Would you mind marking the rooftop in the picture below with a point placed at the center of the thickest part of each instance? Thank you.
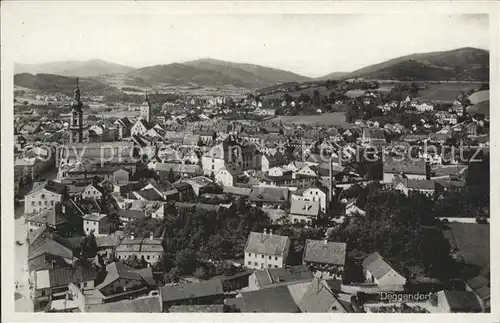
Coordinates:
(322, 251)
(267, 244)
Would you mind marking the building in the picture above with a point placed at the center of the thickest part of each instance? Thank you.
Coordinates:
(246, 156)
(324, 296)
(314, 194)
(124, 126)
(269, 197)
(77, 129)
(326, 259)
(278, 299)
(145, 249)
(97, 224)
(405, 168)
(406, 186)
(93, 190)
(202, 293)
(141, 127)
(145, 110)
(304, 211)
(271, 277)
(265, 250)
(458, 302)
(379, 272)
(43, 196)
(52, 218)
(52, 284)
(229, 175)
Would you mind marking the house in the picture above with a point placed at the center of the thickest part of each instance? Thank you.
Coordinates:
(314, 193)
(124, 126)
(322, 296)
(43, 196)
(481, 286)
(304, 211)
(265, 250)
(47, 250)
(449, 186)
(181, 169)
(351, 208)
(120, 282)
(379, 272)
(141, 127)
(148, 249)
(52, 218)
(246, 156)
(424, 107)
(268, 162)
(202, 185)
(406, 186)
(158, 190)
(270, 277)
(457, 301)
(229, 175)
(237, 191)
(373, 136)
(52, 284)
(277, 299)
(326, 259)
(202, 293)
(471, 129)
(92, 190)
(97, 224)
(130, 215)
(146, 304)
(263, 196)
(405, 167)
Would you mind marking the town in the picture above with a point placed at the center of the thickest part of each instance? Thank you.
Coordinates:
(219, 203)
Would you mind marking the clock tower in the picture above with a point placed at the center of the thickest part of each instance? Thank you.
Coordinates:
(76, 122)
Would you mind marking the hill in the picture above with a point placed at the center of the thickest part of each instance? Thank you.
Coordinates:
(62, 84)
(472, 63)
(90, 68)
(332, 76)
(211, 72)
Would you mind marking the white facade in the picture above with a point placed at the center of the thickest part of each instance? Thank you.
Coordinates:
(224, 178)
(91, 191)
(95, 223)
(40, 200)
(260, 261)
(138, 128)
(212, 165)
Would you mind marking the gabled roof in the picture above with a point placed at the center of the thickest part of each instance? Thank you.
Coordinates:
(272, 276)
(462, 301)
(422, 184)
(269, 194)
(269, 300)
(50, 216)
(376, 265)
(116, 270)
(405, 166)
(135, 214)
(325, 252)
(191, 291)
(267, 244)
(305, 208)
(151, 304)
(320, 299)
(64, 276)
(150, 194)
(50, 186)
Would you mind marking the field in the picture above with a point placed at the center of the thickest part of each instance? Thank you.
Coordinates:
(445, 91)
(473, 242)
(327, 119)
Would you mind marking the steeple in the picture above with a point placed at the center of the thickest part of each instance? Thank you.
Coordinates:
(77, 103)
(76, 123)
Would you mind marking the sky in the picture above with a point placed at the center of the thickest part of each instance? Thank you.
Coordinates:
(308, 44)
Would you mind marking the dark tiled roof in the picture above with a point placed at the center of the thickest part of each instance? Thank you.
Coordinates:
(405, 166)
(134, 214)
(283, 275)
(196, 309)
(193, 290)
(150, 304)
(269, 194)
(319, 299)
(329, 253)
(269, 300)
(150, 195)
(64, 276)
(462, 301)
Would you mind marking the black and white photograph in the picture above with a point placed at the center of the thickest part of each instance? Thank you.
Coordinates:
(192, 161)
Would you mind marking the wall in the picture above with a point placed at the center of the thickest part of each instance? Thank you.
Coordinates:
(34, 203)
(263, 261)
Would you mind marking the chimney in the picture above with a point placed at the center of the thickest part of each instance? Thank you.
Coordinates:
(270, 232)
(151, 237)
(131, 236)
(330, 182)
(325, 241)
(265, 231)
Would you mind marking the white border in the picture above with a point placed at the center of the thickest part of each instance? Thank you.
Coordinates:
(11, 11)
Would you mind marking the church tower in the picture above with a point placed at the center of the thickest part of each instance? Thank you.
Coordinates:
(145, 109)
(76, 123)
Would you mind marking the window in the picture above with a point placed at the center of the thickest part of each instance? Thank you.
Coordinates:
(269, 266)
(249, 263)
(46, 203)
(275, 258)
(51, 202)
(275, 266)
(148, 257)
(84, 284)
(256, 263)
(39, 202)
(262, 266)
(249, 254)
(270, 257)
(262, 256)
(32, 202)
